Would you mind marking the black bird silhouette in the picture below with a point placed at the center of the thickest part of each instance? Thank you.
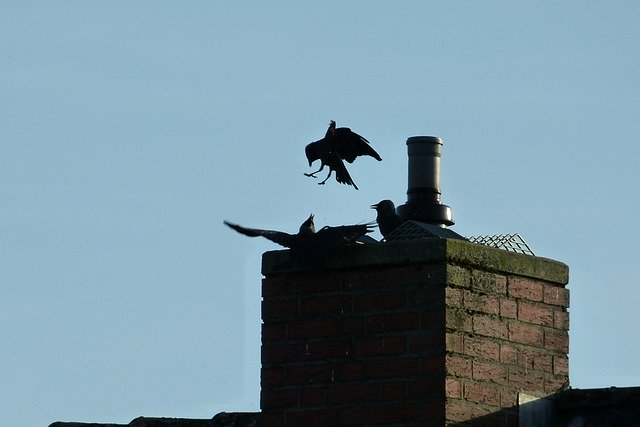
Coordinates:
(387, 218)
(307, 246)
(337, 145)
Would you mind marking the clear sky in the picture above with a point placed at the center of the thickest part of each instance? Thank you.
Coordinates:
(130, 130)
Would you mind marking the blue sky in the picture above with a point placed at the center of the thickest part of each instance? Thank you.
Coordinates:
(130, 130)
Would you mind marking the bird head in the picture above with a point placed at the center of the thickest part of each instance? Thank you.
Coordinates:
(385, 206)
(311, 153)
(308, 226)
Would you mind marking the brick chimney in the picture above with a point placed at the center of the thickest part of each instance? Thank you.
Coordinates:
(418, 332)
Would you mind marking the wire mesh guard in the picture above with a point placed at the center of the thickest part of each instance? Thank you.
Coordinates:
(416, 230)
(509, 242)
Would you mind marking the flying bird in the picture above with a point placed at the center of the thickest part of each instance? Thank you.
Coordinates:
(387, 218)
(308, 246)
(337, 145)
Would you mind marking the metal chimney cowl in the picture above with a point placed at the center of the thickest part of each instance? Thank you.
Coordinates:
(423, 192)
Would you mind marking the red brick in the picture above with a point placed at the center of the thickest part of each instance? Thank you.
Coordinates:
(508, 308)
(453, 388)
(454, 342)
(526, 379)
(460, 410)
(526, 289)
(380, 323)
(312, 396)
(310, 374)
(271, 377)
(434, 365)
(555, 383)
(489, 372)
(272, 419)
(380, 301)
(425, 298)
(561, 320)
(490, 327)
(272, 331)
(278, 398)
(393, 368)
(489, 283)
(433, 319)
(325, 305)
(526, 334)
(560, 365)
(272, 353)
(481, 348)
(433, 274)
(399, 412)
(353, 393)
(381, 346)
(508, 397)
(458, 366)
(508, 354)
(305, 284)
(279, 308)
(453, 296)
(534, 360)
(389, 277)
(313, 417)
(556, 340)
(274, 286)
(312, 328)
(482, 393)
(326, 350)
(535, 314)
(425, 387)
(556, 296)
(459, 320)
(393, 391)
(429, 341)
(351, 371)
(352, 326)
(482, 303)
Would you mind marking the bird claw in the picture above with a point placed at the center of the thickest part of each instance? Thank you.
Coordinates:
(310, 175)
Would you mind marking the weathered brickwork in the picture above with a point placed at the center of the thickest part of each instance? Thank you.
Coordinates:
(411, 333)
(518, 341)
(351, 349)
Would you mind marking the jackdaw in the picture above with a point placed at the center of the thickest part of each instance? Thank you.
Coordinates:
(337, 145)
(387, 218)
(307, 246)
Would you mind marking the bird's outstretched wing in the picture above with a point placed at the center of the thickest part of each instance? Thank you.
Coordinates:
(279, 237)
(329, 237)
(352, 145)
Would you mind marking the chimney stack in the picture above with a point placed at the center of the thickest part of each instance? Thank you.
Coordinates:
(422, 332)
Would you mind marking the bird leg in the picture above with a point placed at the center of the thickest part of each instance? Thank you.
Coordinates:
(313, 174)
(325, 180)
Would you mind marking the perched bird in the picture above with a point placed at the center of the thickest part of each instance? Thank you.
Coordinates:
(337, 145)
(307, 246)
(387, 218)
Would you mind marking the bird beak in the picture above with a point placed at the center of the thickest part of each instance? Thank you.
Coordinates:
(374, 206)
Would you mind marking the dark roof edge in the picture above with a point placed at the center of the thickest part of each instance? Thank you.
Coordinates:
(223, 419)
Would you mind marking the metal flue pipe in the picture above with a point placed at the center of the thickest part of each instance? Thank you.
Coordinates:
(423, 192)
